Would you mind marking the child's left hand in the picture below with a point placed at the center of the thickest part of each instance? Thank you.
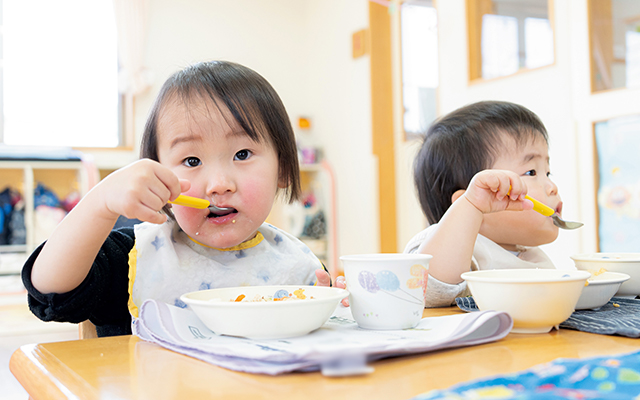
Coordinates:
(324, 279)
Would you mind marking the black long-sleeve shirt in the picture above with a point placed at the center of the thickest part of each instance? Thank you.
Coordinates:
(101, 298)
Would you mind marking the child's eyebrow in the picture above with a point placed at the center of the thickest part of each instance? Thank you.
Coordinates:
(533, 156)
(197, 138)
(184, 138)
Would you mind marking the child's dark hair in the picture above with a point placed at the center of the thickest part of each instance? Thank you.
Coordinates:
(252, 102)
(465, 142)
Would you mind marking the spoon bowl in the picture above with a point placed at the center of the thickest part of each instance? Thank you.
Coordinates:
(194, 202)
(550, 212)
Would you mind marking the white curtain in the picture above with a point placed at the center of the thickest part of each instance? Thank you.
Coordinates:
(131, 22)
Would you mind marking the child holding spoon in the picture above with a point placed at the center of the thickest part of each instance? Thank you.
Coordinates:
(472, 173)
(217, 131)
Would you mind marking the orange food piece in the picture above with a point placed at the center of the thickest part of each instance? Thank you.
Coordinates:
(239, 298)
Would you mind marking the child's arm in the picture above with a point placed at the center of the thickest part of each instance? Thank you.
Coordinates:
(138, 191)
(452, 243)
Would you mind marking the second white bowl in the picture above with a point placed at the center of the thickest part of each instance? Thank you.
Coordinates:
(536, 299)
(600, 290)
(626, 263)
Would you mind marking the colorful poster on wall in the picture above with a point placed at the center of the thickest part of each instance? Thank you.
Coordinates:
(618, 156)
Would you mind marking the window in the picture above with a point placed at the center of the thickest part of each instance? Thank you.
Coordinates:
(60, 73)
(419, 44)
(506, 36)
(615, 44)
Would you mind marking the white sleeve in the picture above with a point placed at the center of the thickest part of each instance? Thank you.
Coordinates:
(441, 294)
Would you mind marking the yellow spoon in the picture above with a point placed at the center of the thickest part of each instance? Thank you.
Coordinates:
(550, 212)
(194, 202)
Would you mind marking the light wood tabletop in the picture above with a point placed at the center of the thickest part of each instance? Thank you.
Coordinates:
(126, 367)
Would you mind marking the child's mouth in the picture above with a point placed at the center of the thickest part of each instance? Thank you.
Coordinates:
(222, 213)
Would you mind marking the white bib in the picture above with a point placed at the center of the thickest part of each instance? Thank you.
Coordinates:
(165, 263)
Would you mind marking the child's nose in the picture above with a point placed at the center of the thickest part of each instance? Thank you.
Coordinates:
(221, 183)
(552, 188)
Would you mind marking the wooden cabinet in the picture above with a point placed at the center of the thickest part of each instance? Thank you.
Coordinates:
(62, 175)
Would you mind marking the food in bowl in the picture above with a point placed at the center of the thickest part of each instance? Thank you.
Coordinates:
(626, 263)
(601, 287)
(536, 299)
(279, 295)
(261, 316)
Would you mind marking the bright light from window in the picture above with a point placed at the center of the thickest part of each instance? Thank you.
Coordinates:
(499, 46)
(419, 29)
(538, 38)
(60, 73)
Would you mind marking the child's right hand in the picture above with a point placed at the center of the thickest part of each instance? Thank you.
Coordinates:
(497, 190)
(139, 191)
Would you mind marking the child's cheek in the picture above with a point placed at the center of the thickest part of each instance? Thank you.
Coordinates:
(187, 216)
(257, 192)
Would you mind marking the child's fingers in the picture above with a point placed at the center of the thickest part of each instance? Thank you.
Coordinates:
(323, 278)
(170, 181)
(184, 186)
(341, 283)
(148, 215)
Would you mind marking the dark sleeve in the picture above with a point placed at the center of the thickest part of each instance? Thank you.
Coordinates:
(101, 298)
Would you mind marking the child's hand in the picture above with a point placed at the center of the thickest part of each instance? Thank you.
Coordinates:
(325, 280)
(139, 191)
(497, 190)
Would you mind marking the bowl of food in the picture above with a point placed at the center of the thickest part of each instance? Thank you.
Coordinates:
(265, 312)
(626, 263)
(536, 299)
(601, 287)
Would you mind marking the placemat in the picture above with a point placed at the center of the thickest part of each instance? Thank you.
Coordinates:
(339, 347)
(620, 316)
(606, 377)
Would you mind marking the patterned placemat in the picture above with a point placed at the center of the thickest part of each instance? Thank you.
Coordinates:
(607, 377)
(620, 316)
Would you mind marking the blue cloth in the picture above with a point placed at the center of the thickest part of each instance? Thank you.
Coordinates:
(609, 377)
(620, 316)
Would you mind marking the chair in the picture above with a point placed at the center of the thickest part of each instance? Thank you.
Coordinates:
(87, 330)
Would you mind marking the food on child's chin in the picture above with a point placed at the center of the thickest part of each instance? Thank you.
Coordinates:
(280, 295)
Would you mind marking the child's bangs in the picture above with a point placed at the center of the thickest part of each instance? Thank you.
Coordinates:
(236, 111)
(517, 139)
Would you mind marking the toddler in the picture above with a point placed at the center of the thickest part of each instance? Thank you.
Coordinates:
(217, 131)
(472, 172)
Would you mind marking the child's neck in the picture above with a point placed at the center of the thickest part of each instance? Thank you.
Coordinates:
(510, 247)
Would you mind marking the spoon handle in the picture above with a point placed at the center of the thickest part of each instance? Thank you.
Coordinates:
(189, 201)
(540, 207)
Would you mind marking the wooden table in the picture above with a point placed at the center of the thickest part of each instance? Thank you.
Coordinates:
(125, 367)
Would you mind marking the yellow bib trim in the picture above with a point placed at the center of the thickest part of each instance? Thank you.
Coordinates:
(133, 256)
(242, 246)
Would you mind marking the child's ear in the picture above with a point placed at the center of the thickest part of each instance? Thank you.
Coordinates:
(456, 195)
(282, 183)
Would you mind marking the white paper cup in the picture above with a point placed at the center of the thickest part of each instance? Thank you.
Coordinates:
(386, 290)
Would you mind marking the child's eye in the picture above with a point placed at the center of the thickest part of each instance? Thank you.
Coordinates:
(548, 174)
(531, 172)
(192, 162)
(242, 155)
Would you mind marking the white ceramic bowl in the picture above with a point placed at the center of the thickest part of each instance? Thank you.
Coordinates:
(536, 299)
(600, 290)
(268, 319)
(626, 263)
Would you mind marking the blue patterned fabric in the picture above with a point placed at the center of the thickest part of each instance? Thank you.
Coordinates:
(609, 377)
(620, 316)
